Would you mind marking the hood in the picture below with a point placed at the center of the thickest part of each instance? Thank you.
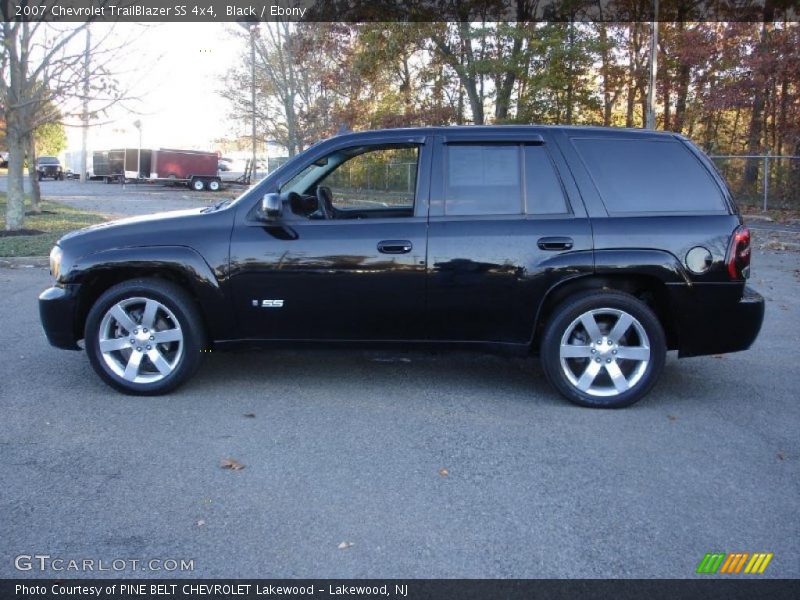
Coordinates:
(180, 227)
(139, 223)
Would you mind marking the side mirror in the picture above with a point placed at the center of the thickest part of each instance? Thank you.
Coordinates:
(272, 206)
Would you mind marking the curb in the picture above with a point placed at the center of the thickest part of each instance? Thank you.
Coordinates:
(23, 262)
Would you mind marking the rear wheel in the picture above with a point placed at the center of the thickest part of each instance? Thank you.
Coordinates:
(214, 185)
(603, 349)
(144, 336)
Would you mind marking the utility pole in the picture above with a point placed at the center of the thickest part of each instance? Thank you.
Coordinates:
(253, 32)
(650, 119)
(138, 124)
(252, 27)
(85, 115)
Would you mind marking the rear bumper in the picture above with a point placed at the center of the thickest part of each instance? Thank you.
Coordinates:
(716, 318)
(57, 311)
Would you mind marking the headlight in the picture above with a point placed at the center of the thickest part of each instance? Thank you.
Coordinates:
(55, 261)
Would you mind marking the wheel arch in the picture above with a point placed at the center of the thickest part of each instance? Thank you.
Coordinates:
(646, 277)
(180, 265)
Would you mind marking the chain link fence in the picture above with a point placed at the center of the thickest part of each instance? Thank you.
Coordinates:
(762, 181)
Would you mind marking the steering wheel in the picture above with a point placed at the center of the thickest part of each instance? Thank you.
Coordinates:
(325, 202)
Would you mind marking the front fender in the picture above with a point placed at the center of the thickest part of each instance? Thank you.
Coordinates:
(183, 261)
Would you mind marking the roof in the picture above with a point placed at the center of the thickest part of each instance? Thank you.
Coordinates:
(479, 130)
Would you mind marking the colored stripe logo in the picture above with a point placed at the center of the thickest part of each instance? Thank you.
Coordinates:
(734, 563)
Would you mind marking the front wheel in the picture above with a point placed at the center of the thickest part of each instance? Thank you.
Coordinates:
(603, 349)
(198, 185)
(144, 336)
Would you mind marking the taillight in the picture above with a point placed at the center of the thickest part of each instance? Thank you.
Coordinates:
(739, 254)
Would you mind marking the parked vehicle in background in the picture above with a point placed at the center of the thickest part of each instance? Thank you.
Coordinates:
(49, 167)
(199, 170)
(108, 165)
(72, 164)
(596, 249)
(196, 169)
(4, 159)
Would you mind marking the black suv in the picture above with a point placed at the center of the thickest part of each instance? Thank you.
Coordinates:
(597, 249)
(49, 166)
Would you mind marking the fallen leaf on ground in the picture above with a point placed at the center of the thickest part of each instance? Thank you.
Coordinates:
(229, 463)
(201, 522)
(444, 472)
(344, 545)
(781, 456)
(250, 415)
(672, 417)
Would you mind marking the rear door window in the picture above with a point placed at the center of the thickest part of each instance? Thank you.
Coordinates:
(649, 176)
(483, 180)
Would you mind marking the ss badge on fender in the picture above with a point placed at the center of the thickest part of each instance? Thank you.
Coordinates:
(268, 303)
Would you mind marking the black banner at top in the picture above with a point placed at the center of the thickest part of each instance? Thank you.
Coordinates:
(399, 10)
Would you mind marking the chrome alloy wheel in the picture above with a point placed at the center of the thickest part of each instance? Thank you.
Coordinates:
(604, 352)
(141, 340)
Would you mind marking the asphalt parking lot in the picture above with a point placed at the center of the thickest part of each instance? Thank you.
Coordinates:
(379, 464)
(130, 199)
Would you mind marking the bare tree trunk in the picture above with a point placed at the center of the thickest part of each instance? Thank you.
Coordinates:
(756, 118)
(604, 72)
(33, 176)
(667, 83)
(631, 103)
(15, 206)
(506, 81)
(570, 80)
(782, 114)
(684, 74)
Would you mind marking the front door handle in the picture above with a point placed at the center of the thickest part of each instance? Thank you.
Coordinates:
(395, 246)
(555, 243)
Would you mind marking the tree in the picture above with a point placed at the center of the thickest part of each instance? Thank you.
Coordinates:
(50, 139)
(43, 82)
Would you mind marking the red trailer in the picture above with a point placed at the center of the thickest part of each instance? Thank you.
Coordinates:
(197, 169)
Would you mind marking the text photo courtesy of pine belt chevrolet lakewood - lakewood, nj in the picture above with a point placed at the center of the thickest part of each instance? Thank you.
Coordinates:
(413, 299)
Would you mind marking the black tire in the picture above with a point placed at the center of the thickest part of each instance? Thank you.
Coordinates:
(198, 184)
(562, 321)
(185, 311)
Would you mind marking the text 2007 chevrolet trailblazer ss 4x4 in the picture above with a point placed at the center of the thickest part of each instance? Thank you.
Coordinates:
(597, 249)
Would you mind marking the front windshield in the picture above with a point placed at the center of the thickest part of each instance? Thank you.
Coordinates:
(48, 160)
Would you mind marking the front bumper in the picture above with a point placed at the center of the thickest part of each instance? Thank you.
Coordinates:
(716, 318)
(57, 311)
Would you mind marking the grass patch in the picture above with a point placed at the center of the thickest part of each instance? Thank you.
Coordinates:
(56, 220)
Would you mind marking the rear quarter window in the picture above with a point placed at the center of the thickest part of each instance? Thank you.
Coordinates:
(649, 176)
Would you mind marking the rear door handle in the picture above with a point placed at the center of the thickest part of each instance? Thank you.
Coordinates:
(395, 246)
(555, 243)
